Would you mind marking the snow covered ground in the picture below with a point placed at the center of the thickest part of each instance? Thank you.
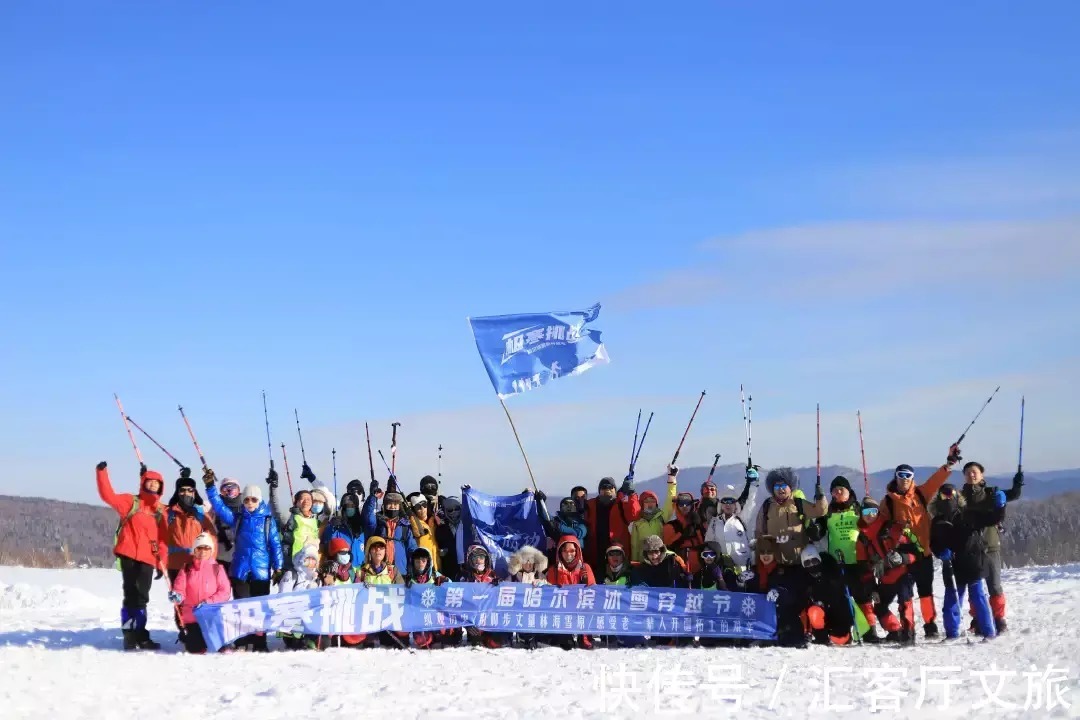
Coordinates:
(60, 657)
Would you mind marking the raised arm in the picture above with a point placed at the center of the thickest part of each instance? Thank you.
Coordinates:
(122, 502)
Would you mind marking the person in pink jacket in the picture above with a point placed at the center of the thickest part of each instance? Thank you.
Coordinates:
(202, 580)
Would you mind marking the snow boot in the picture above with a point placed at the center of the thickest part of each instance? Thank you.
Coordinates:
(1001, 625)
(907, 637)
(893, 636)
(145, 642)
(930, 630)
(870, 637)
(131, 641)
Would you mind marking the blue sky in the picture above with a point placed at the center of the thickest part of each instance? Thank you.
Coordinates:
(866, 207)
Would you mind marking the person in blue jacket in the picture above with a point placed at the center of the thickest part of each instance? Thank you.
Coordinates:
(346, 524)
(257, 559)
(392, 525)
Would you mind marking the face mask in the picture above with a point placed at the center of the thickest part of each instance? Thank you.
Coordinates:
(317, 508)
(187, 501)
(350, 512)
(453, 516)
(342, 558)
(651, 512)
(390, 512)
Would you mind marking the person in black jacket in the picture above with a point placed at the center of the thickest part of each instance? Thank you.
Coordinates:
(446, 530)
(977, 492)
(956, 536)
(660, 568)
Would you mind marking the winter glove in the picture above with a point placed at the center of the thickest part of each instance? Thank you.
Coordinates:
(208, 477)
(893, 560)
(142, 470)
(272, 479)
(356, 488)
(275, 578)
(466, 487)
(373, 488)
(745, 577)
(1018, 479)
(185, 473)
(306, 474)
(540, 497)
(752, 474)
(878, 568)
(999, 499)
(175, 597)
(391, 484)
(672, 472)
(102, 465)
(772, 596)
(159, 574)
(946, 555)
(627, 487)
(819, 494)
(954, 455)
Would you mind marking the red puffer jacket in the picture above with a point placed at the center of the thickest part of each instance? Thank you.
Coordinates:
(877, 539)
(578, 573)
(143, 535)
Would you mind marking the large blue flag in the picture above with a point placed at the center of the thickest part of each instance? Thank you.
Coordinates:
(503, 524)
(508, 607)
(522, 352)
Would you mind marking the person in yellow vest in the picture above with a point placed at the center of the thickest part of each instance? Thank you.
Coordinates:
(376, 570)
(423, 526)
(652, 518)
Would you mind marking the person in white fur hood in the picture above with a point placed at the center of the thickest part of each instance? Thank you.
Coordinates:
(528, 565)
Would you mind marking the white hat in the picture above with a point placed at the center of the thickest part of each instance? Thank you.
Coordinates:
(203, 540)
(252, 491)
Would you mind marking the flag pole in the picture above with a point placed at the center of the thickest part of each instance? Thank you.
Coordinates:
(520, 446)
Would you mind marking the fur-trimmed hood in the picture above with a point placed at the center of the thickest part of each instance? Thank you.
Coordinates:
(527, 554)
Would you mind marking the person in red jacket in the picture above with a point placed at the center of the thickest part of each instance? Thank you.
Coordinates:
(608, 517)
(684, 534)
(570, 568)
(141, 546)
(885, 552)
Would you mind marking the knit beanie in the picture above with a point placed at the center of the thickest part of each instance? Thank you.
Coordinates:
(252, 491)
(840, 481)
(203, 540)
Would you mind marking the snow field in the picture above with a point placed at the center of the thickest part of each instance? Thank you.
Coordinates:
(60, 640)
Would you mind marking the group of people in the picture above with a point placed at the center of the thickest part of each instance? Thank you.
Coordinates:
(834, 568)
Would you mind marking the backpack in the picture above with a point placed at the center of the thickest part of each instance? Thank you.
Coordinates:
(131, 513)
(813, 528)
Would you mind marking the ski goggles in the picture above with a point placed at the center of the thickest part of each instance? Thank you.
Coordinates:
(727, 501)
(230, 491)
(685, 503)
(869, 511)
(616, 552)
(905, 475)
(781, 486)
(708, 554)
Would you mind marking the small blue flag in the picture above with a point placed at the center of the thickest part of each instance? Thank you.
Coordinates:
(522, 352)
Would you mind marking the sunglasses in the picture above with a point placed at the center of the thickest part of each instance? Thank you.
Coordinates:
(251, 501)
(905, 475)
(230, 491)
(781, 486)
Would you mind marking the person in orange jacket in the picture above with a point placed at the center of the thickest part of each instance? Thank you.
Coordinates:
(684, 534)
(608, 517)
(185, 519)
(906, 503)
(140, 546)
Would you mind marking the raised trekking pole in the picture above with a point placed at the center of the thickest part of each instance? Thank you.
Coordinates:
(393, 447)
(817, 487)
(1020, 460)
(159, 445)
(440, 463)
(138, 455)
(371, 460)
(748, 425)
(303, 455)
(288, 476)
(633, 448)
(964, 434)
(713, 468)
(333, 459)
(862, 451)
(192, 434)
(266, 419)
(687, 431)
(643, 436)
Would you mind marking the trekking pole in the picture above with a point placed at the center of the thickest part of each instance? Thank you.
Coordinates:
(633, 448)
(192, 434)
(371, 461)
(713, 468)
(168, 584)
(748, 425)
(333, 458)
(138, 455)
(393, 447)
(687, 431)
(440, 463)
(817, 487)
(964, 434)
(288, 476)
(643, 436)
(266, 419)
(303, 455)
(1020, 460)
(151, 439)
(862, 451)
(851, 600)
